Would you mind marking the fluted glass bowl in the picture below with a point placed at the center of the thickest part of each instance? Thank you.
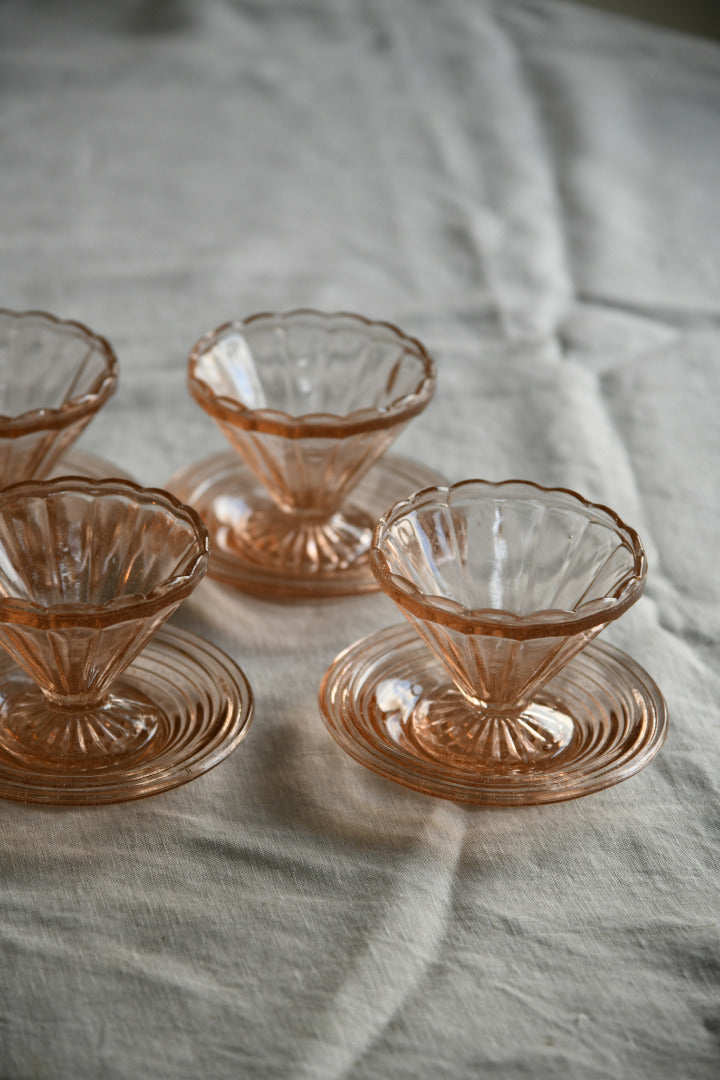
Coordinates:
(310, 402)
(506, 584)
(54, 377)
(89, 571)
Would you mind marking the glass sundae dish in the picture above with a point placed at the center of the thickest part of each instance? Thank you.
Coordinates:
(95, 704)
(310, 402)
(495, 695)
(55, 375)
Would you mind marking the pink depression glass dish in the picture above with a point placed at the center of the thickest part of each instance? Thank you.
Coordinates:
(54, 377)
(506, 584)
(90, 709)
(310, 402)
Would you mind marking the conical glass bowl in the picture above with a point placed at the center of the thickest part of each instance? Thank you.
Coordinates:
(89, 571)
(54, 377)
(310, 402)
(506, 584)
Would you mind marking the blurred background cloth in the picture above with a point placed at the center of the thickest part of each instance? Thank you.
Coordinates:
(532, 189)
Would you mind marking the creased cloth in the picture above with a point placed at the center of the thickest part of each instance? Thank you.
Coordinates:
(531, 188)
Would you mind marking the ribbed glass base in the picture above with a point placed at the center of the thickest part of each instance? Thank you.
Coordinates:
(391, 705)
(180, 708)
(258, 548)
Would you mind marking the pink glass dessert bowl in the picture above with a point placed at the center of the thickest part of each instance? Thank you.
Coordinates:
(89, 571)
(310, 402)
(506, 584)
(54, 377)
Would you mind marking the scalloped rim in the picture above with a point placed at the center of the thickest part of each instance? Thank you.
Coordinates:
(495, 622)
(123, 608)
(76, 408)
(311, 425)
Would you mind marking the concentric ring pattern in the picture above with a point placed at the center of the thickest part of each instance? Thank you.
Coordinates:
(618, 717)
(203, 706)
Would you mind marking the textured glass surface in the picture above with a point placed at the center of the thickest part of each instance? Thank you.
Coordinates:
(505, 583)
(176, 711)
(388, 702)
(304, 372)
(89, 570)
(510, 552)
(252, 541)
(310, 402)
(54, 377)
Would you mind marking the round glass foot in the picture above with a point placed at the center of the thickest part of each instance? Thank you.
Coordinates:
(391, 705)
(34, 731)
(179, 709)
(259, 556)
(447, 729)
(279, 543)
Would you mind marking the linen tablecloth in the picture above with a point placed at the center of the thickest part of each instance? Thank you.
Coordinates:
(531, 188)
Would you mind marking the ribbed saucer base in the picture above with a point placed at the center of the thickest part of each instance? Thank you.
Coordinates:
(390, 705)
(178, 710)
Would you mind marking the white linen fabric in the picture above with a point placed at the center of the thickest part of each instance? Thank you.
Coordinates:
(530, 188)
